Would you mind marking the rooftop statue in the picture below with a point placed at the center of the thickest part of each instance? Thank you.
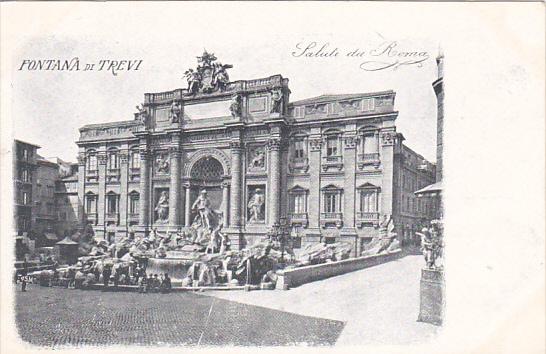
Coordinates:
(209, 76)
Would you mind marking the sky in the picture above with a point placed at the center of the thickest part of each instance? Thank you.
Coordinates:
(48, 107)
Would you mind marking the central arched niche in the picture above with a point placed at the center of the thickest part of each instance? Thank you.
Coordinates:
(207, 173)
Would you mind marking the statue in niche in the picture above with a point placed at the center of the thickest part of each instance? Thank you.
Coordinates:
(202, 206)
(276, 101)
(162, 163)
(256, 206)
(235, 106)
(258, 161)
(162, 207)
(176, 110)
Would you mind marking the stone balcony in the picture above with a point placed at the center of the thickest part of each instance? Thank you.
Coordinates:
(367, 159)
(299, 165)
(112, 218)
(327, 219)
(363, 218)
(299, 219)
(92, 218)
(332, 162)
(133, 217)
(112, 175)
(134, 174)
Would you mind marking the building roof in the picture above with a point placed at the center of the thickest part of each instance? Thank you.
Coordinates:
(430, 190)
(24, 142)
(339, 97)
(110, 124)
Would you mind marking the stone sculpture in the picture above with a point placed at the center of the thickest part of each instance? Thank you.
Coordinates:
(258, 161)
(202, 206)
(162, 163)
(235, 106)
(176, 110)
(276, 101)
(162, 207)
(255, 206)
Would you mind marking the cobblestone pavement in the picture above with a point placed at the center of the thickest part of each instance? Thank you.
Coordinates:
(379, 305)
(56, 317)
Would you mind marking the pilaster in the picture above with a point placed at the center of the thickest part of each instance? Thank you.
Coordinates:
(145, 165)
(315, 147)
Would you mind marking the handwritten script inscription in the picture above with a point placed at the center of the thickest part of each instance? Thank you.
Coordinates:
(385, 55)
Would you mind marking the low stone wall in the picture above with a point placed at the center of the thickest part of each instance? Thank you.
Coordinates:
(302, 275)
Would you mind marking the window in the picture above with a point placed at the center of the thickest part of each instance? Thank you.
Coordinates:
(25, 154)
(113, 160)
(331, 202)
(134, 200)
(90, 204)
(332, 146)
(111, 203)
(92, 162)
(368, 104)
(370, 144)
(135, 159)
(26, 198)
(299, 149)
(369, 200)
(298, 201)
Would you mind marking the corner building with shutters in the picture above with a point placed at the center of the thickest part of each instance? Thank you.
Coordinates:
(330, 166)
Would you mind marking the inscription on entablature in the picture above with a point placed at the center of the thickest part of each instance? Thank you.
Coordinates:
(256, 132)
(160, 140)
(112, 131)
(209, 136)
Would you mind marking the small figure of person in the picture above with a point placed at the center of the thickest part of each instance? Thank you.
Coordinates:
(143, 285)
(166, 284)
(106, 273)
(156, 283)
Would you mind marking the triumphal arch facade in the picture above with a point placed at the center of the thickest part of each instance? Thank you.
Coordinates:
(324, 165)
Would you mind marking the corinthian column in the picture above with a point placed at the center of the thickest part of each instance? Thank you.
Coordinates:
(174, 190)
(235, 207)
(274, 146)
(144, 215)
(225, 203)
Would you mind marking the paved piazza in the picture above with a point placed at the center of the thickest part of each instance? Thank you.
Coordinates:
(56, 317)
(371, 306)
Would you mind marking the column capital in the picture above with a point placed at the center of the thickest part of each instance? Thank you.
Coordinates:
(102, 158)
(145, 154)
(226, 184)
(235, 145)
(187, 185)
(387, 138)
(81, 159)
(350, 142)
(274, 144)
(123, 157)
(315, 144)
(175, 151)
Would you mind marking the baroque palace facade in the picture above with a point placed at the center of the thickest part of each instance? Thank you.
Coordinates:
(331, 167)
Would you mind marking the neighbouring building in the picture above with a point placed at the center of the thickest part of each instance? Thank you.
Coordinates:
(332, 166)
(44, 216)
(24, 183)
(67, 202)
(433, 192)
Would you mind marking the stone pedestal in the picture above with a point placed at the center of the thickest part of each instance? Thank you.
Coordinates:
(432, 296)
